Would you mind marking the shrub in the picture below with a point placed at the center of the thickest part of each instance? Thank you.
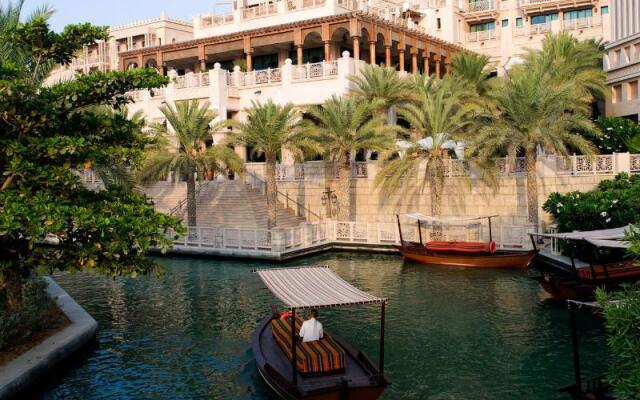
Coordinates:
(619, 135)
(33, 314)
(613, 204)
(622, 318)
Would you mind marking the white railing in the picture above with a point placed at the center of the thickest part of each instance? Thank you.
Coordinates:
(540, 28)
(261, 77)
(322, 69)
(295, 5)
(456, 167)
(160, 92)
(208, 21)
(136, 95)
(481, 5)
(581, 23)
(634, 163)
(482, 35)
(290, 172)
(280, 241)
(192, 80)
(261, 10)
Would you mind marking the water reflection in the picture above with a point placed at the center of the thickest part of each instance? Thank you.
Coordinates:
(451, 334)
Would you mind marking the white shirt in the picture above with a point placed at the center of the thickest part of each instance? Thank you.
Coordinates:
(311, 330)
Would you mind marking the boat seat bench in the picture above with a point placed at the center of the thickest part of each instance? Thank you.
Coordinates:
(318, 357)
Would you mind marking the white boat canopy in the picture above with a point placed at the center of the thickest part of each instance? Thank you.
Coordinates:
(313, 287)
(601, 238)
(430, 219)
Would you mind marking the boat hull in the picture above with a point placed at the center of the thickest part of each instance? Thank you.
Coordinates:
(500, 259)
(347, 386)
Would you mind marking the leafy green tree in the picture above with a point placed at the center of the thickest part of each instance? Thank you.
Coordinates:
(536, 109)
(441, 113)
(343, 127)
(621, 312)
(48, 219)
(381, 86)
(191, 123)
(619, 135)
(270, 128)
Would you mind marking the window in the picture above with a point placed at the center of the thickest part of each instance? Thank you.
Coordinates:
(604, 10)
(519, 22)
(438, 23)
(616, 94)
(486, 26)
(545, 18)
(578, 14)
(632, 90)
(505, 23)
(266, 61)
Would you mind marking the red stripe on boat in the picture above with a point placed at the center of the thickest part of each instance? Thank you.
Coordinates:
(462, 247)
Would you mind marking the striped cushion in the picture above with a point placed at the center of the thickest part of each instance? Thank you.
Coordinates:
(322, 356)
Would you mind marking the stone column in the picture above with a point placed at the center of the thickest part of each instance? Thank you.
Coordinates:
(346, 68)
(425, 60)
(327, 50)
(356, 47)
(372, 52)
(436, 58)
(203, 65)
(401, 56)
(387, 55)
(414, 61)
(249, 61)
(299, 53)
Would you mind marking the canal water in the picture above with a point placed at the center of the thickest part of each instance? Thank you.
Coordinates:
(451, 333)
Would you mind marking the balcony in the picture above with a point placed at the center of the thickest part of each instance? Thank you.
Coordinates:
(481, 36)
(540, 29)
(478, 10)
(295, 5)
(539, 6)
(209, 21)
(259, 11)
(582, 23)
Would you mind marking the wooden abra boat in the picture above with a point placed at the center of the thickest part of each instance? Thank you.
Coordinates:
(570, 277)
(460, 254)
(326, 369)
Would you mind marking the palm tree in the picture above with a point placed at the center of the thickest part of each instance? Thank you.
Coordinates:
(268, 129)
(443, 110)
(343, 126)
(564, 57)
(191, 124)
(474, 68)
(382, 86)
(10, 16)
(535, 109)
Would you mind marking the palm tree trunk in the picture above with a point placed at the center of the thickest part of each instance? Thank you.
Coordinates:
(532, 187)
(272, 191)
(191, 199)
(436, 182)
(343, 192)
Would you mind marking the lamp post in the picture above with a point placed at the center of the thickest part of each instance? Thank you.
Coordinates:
(328, 198)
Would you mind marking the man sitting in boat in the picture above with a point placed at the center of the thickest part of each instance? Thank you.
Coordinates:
(311, 328)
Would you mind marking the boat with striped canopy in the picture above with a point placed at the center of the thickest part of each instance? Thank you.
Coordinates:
(325, 369)
(467, 254)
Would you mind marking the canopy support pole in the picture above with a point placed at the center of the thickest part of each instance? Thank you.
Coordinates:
(400, 230)
(294, 376)
(574, 341)
(490, 230)
(420, 232)
(381, 366)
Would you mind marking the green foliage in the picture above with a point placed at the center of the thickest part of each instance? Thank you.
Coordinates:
(619, 135)
(622, 317)
(380, 86)
(613, 204)
(34, 314)
(47, 134)
(474, 68)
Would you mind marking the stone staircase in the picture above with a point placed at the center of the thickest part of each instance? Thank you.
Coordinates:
(235, 204)
(166, 194)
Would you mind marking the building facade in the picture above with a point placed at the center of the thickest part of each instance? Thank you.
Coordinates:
(622, 61)
(104, 55)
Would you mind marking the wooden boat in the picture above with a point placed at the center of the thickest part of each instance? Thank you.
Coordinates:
(461, 254)
(568, 277)
(356, 377)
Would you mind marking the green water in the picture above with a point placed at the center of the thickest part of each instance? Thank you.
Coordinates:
(451, 333)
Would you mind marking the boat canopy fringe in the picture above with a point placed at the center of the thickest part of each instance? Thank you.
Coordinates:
(601, 238)
(313, 287)
(444, 220)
